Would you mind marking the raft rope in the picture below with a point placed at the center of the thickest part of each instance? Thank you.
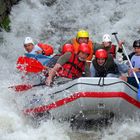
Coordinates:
(99, 82)
(103, 84)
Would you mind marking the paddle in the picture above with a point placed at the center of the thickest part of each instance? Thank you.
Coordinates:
(29, 65)
(24, 87)
(138, 95)
(19, 88)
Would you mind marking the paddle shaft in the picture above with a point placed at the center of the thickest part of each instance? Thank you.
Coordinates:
(115, 35)
(41, 84)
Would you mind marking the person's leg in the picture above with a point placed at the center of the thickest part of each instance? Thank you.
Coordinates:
(132, 81)
(52, 61)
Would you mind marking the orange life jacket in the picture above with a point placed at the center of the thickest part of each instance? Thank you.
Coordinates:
(76, 47)
(47, 49)
(73, 68)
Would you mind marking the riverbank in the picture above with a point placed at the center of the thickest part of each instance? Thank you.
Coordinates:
(5, 8)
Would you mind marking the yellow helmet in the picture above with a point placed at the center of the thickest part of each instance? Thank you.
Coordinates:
(82, 33)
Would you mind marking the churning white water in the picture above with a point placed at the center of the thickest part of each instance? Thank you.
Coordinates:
(55, 24)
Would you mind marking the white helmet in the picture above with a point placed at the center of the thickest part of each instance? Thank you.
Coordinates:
(106, 38)
(28, 40)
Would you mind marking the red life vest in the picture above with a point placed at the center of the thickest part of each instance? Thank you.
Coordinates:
(73, 68)
(47, 49)
(113, 51)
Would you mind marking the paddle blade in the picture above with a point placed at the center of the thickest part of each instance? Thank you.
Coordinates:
(19, 88)
(29, 65)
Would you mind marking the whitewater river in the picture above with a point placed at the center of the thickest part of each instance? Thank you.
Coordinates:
(54, 25)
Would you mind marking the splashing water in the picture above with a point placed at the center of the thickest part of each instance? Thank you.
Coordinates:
(55, 23)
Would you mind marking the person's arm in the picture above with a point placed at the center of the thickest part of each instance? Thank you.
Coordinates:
(136, 69)
(37, 49)
(61, 61)
(64, 58)
(52, 74)
(120, 49)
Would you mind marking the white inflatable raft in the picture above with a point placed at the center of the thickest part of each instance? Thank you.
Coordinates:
(90, 97)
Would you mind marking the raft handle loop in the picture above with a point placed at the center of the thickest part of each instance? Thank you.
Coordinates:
(101, 81)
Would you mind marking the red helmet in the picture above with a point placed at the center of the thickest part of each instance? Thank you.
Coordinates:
(101, 53)
(83, 47)
(67, 48)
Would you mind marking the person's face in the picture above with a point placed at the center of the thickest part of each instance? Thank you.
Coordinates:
(83, 40)
(137, 50)
(82, 56)
(100, 61)
(107, 44)
(29, 47)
